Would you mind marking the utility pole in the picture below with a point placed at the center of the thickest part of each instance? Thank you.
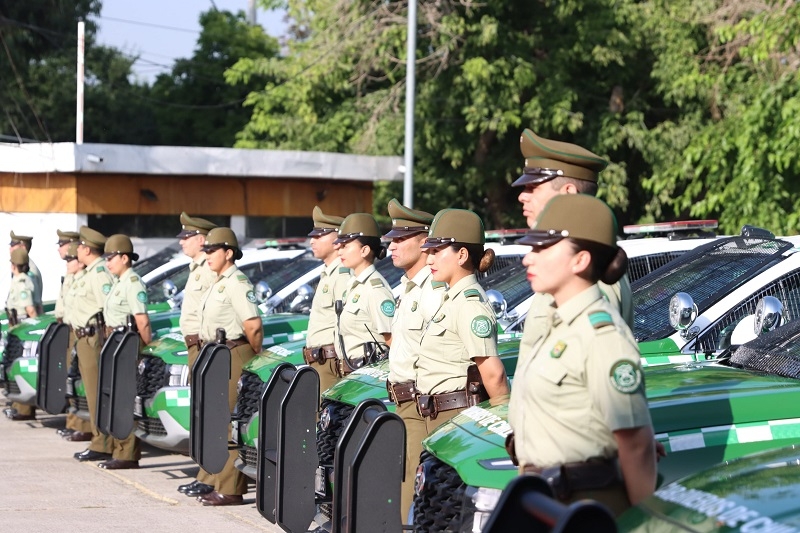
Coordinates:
(411, 53)
(251, 12)
(79, 98)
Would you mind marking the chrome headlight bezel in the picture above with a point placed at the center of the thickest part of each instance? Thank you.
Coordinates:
(178, 375)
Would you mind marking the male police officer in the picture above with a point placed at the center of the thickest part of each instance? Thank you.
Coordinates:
(320, 346)
(22, 241)
(192, 238)
(88, 292)
(419, 300)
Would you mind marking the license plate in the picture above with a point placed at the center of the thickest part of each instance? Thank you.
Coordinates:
(320, 484)
(138, 408)
(235, 432)
(70, 387)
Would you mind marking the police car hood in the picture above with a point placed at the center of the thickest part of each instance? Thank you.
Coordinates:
(170, 347)
(759, 492)
(32, 329)
(264, 364)
(284, 327)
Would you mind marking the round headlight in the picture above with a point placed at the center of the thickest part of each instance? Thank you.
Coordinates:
(239, 385)
(325, 418)
(419, 480)
(142, 367)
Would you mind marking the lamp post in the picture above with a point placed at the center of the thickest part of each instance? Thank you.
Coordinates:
(411, 56)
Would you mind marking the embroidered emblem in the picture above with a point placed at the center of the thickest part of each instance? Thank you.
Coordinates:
(355, 298)
(481, 326)
(438, 318)
(221, 288)
(251, 297)
(23, 294)
(106, 288)
(558, 349)
(325, 289)
(196, 277)
(625, 376)
(141, 296)
(387, 307)
(413, 307)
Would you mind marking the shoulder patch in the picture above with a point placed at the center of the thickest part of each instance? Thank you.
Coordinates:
(344, 270)
(376, 282)
(625, 376)
(23, 294)
(141, 296)
(387, 307)
(481, 326)
(134, 278)
(251, 297)
(600, 319)
(106, 288)
(473, 294)
(100, 268)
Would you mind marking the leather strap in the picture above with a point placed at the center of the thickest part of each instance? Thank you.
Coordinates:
(430, 405)
(319, 354)
(192, 340)
(401, 393)
(592, 474)
(233, 343)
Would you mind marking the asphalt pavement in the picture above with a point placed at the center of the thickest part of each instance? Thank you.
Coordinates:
(45, 489)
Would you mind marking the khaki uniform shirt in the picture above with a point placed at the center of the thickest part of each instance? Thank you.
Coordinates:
(36, 278)
(322, 320)
(20, 295)
(128, 296)
(65, 296)
(463, 327)
(581, 382)
(618, 295)
(201, 277)
(418, 303)
(88, 292)
(368, 308)
(59, 310)
(227, 304)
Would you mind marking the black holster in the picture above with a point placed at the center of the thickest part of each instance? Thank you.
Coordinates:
(100, 328)
(476, 392)
(13, 319)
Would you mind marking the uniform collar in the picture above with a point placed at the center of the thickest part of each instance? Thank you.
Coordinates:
(461, 285)
(418, 280)
(198, 261)
(333, 267)
(364, 276)
(96, 262)
(578, 304)
(125, 275)
(229, 271)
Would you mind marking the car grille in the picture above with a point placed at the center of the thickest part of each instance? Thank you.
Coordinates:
(12, 351)
(246, 405)
(440, 502)
(327, 439)
(153, 426)
(249, 456)
(81, 404)
(154, 377)
(12, 387)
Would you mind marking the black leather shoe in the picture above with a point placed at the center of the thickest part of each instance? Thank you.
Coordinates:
(201, 489)
(65, 432)
(183, 488)
(78, 436)
(118, 464)
(19, 417)
(217, 499)
(91, 455)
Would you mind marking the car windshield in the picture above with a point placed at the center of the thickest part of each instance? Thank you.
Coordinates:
(512, 283)
(278, 273)
(775, 352)
(156, 260)
(707, 274)
(155, 289)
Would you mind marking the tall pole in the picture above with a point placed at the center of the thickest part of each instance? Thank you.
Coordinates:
(411, 53)
(79, 98)
(251, 12)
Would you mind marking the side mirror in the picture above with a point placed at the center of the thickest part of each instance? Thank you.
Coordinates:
(769, 315)
(169, 288)
(498, 303)
(682, 312)
(302, 302)
(263, 291)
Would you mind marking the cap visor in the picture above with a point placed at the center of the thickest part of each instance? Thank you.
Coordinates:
(109, 254)
(186, 233)
(436, 244)
(395, 233)
(531, 179)
(317, 232)
(539, 238)
(343, 240)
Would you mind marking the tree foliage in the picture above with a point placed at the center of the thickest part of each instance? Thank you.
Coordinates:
(692, 101)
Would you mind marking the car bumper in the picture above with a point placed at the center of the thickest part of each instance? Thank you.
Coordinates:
(22, 378)
(163, 420)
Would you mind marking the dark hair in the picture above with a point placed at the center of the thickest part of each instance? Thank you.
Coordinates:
(24, 268)
(375, 246)
(583, 186)
(129, 256)
(481, 260)
(609, 264)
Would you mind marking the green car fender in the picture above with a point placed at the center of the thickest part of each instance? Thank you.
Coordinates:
(23, 370)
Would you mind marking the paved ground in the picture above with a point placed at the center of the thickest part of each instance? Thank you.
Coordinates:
(45, 489)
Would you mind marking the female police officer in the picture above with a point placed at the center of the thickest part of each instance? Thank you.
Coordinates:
(578, 402)
(368, 304)
(128, 296)
(463, 331)
(230, 304)
(20, 305)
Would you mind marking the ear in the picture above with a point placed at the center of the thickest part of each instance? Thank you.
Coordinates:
(463, 256)
(229, 255)
(365, 250)
(568, 188)
(581, 262)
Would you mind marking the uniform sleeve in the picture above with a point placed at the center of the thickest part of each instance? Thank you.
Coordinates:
(615, 381)
(477, 328)
(243, 300)
(137, 297)
(381, 309)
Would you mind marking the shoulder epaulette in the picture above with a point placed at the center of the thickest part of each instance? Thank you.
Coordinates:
(473, 294)
(241, 277)
(376, 282)
(600, 319)
(134, 278)
(100, 268)
(438, 284)
(344, 270)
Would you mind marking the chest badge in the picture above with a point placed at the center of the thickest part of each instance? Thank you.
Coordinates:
(355, 298)
(413, 307)
(558, 349)
(438, 318)
(222, 288)
(196, 277)
(325, 289)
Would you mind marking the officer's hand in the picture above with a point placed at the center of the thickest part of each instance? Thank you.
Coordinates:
(660, 451)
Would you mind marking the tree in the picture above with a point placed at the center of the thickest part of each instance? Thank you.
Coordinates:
(197, 107)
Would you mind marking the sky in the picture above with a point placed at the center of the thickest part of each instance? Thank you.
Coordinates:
(161, 31)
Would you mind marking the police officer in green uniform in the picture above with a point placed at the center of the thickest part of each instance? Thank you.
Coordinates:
(22, 241)
(320, 349)
(463, 331)
(419, 299)
(77, 429)
(192, 238)
(230, 304)
(365, 323)
(87, 296)
(20, 304)
(128, 296)
(553, 168)
(578, 407)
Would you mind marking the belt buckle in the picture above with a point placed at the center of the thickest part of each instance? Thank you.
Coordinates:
(557, 479)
